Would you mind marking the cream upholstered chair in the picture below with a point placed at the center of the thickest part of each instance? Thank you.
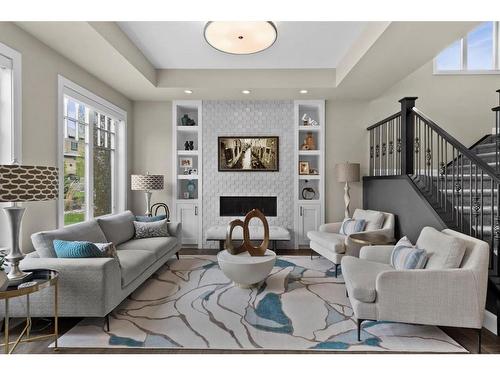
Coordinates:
(441, 294)
(329, 243)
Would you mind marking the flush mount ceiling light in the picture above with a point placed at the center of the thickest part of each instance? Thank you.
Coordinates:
(246, 92)
(189, 92)
(240, 38)
(303, 91)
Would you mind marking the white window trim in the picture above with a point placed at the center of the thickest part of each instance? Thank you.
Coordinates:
(16, 127)
(67, 87)
(463, 58)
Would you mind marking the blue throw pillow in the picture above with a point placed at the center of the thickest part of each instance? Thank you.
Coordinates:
(150, 219)
(350, 226)
(77, 249)
(405, 256)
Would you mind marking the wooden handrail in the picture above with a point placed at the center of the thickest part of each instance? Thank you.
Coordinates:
(381, 122)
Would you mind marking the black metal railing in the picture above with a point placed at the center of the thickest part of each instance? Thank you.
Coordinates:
(462, 186)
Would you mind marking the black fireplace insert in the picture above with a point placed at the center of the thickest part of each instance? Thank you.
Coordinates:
(241, 205)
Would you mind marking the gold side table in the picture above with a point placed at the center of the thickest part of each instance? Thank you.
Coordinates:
(43, 278)
(371, 239)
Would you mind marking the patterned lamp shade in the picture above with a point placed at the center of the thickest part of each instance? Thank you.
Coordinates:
(28, 183)
(147, 182)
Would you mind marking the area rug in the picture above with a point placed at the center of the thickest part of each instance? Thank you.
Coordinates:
(190, 304)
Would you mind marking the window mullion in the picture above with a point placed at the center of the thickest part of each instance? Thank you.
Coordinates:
(464, 53)
(89, 162)
(496, 57)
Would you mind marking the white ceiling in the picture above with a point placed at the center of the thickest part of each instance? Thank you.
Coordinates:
(306, 45)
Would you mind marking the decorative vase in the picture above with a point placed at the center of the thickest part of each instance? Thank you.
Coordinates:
(310, 141)
(184, 120)
(191, 186)
(191, 145)
(4, 281)
(186, 146)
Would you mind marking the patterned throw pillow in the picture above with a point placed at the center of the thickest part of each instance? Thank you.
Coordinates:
(405, 256)
(153, 229)
(149, 219)
(76, 249)
(350, 226)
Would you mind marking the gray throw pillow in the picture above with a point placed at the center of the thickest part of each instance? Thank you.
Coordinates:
(152, 229)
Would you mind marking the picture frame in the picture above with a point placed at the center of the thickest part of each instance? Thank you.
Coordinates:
(186, 162)
(303, 167)
(193, 171)
(248, 154)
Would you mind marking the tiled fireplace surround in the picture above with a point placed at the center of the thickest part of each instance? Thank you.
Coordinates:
(240, 118)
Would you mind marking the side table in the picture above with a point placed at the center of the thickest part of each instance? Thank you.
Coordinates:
(371, 239)
(43, 278)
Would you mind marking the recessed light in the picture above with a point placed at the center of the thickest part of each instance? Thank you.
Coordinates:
(303, 91)
(246, 92)
(240, 38)
(189, 92)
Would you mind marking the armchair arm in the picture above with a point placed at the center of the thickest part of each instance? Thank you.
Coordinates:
(377, 253)
(330, 227)
(175, 229)
(447, 297)
(87, 286)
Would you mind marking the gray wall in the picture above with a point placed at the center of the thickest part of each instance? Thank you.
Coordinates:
(397, 195)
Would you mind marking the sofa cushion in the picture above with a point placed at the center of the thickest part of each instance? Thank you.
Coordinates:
(149, 219)
(77, 249)
(443, 251)
(405, 256)
(350, 226)
(117, 228)
(133, 263)
(151, 229)
(334, 242)
(86, 231)
(360, 276)
(374, 219)
(157, 245)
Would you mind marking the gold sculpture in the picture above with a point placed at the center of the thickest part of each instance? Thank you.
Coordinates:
(247, 245)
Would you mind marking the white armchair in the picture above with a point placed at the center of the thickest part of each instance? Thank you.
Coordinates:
(328, 242)
(436, 295)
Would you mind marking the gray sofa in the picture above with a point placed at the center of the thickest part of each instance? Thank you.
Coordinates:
(93, 287)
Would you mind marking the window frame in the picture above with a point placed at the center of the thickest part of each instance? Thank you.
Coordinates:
(463, 63)
(16, 111)
(120, 169)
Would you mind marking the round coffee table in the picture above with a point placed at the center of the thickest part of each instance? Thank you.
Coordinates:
(245, 270)
(370, 239)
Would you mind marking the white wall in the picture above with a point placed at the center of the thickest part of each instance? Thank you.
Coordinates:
(152, 145)
(460, 104)
(238, 118)
(40, 68)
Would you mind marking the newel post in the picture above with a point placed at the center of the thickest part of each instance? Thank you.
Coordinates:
(407, 134)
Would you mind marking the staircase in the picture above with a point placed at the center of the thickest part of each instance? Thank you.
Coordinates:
(462, 184)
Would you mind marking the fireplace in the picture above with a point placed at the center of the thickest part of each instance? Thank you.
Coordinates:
(240, 206)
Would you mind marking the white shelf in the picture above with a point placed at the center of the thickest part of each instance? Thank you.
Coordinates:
(310, 152)
(309, 177)
(187, 152)
(181, 200)
(187, 176)
(310, 128)
(186, 128)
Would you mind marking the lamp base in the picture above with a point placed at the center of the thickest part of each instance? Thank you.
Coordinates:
(14, 216)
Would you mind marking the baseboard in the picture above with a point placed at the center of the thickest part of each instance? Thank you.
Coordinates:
(490, 322)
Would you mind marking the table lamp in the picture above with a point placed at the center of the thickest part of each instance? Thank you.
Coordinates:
(347, 172)
(147, 183)
(23, 183)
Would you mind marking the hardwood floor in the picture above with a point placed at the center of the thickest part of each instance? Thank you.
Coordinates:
(466, 337)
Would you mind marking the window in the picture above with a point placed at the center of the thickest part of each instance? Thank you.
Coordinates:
(476, 53)
(93, 155)
(10, 105)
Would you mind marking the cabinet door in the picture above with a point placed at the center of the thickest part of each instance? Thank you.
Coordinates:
(187, 214)
(309, 219)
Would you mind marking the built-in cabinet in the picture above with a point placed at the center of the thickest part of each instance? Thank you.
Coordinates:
(309, 127)
(187, 165)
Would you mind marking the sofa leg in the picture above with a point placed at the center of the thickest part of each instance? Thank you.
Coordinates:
(107, 322)
(479, 337)
(311, 254)
(336, 270)
(359, 328)
(177, 255)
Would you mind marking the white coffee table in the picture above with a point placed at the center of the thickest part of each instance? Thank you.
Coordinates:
(245, 270)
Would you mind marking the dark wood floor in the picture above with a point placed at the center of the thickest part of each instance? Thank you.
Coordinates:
(466, 337)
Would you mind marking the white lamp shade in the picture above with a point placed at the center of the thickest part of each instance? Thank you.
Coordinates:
(147, 182)
(28, 183)
(347, 172)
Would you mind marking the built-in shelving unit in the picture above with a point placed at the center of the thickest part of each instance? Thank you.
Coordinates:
(187, 164)
(309, 118)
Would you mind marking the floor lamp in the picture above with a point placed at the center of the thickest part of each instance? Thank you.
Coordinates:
(347, 172)
(147, 183)
(23, 183)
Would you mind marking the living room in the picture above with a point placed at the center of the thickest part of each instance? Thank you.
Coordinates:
(187, 186)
